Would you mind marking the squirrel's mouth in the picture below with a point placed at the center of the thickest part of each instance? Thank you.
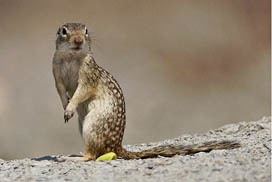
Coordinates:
(77, 48)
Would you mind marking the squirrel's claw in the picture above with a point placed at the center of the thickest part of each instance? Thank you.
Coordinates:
(68, 115)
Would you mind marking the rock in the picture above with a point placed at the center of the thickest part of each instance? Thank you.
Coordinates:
(251, 162)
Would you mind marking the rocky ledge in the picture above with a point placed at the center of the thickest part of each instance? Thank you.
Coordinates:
(251, 162)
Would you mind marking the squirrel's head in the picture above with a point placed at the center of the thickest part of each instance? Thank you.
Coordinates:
(74, 37)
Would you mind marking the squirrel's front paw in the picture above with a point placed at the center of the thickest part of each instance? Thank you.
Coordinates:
(68, 115)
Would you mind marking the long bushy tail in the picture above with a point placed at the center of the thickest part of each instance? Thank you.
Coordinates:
(171, 150)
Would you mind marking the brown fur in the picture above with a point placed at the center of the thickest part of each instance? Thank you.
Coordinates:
(86, 87)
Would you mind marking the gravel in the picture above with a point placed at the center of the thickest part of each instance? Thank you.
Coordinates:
(251, 162)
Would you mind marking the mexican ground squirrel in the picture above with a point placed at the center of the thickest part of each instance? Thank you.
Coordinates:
(88, 88)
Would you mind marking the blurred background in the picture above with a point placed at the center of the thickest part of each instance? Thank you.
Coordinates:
(185, 66)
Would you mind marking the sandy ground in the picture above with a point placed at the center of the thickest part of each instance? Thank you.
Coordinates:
(251, 162)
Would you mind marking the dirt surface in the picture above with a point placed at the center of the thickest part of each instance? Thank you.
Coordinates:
(251, 162)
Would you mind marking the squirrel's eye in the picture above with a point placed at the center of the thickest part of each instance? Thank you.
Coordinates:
(64, 31)
(86, 31)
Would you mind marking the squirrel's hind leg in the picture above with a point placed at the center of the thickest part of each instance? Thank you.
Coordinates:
(89, 157)
(81, 158)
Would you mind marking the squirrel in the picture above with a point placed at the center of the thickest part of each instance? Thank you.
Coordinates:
(89, 89)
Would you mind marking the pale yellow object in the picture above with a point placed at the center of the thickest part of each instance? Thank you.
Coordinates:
(107, 157)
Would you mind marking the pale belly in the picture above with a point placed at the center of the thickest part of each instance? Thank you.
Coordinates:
(70, 76)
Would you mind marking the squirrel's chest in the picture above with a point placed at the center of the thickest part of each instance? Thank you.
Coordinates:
(70, 71)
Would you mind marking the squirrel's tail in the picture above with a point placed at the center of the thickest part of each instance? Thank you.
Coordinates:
(171, 150)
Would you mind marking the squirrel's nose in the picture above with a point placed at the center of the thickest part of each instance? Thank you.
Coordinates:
(78, 40)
